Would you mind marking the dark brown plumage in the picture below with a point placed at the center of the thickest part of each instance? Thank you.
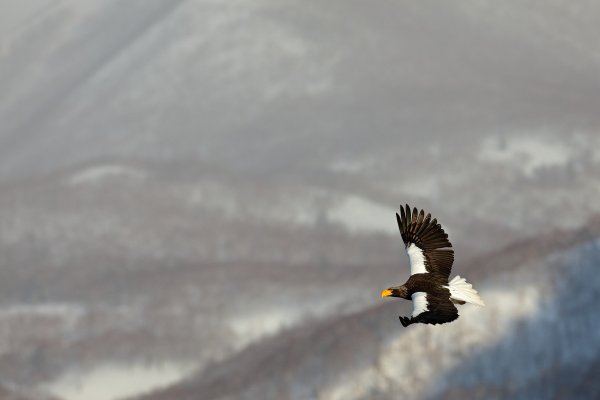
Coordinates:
(431, 261)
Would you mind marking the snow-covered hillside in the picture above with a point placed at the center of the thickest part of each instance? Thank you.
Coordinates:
(536, 338)
(464, 102)
(182, 179)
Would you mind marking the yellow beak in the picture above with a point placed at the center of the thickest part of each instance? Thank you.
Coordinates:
(386, 293)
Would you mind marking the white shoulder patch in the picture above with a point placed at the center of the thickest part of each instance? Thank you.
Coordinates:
(417, 259)
(419, 300)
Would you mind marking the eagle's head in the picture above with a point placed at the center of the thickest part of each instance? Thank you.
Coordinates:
(396, 291)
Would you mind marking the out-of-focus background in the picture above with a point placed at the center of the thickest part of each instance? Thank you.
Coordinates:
(197, 198)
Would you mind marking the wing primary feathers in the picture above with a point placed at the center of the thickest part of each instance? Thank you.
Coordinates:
(421, 218)
(424, 225)
(428, 235)
(402, 223)
(414, 218)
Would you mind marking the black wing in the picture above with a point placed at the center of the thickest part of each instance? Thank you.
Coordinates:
(431, 307)
(425, 242)
(439, 313)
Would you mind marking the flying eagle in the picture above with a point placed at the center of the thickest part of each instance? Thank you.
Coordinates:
(433, 297)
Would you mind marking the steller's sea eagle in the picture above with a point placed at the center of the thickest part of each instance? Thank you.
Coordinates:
(433, 297)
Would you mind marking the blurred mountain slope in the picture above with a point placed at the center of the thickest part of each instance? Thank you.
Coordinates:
(537, 311)
(158, 156)
(9, 394)
(464, 102)
(225, 83)
(114, 274)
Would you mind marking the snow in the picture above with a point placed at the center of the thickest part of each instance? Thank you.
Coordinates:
(68, 312)
(351, 166)
(101, 172)
(113, 381)
(395, 372)
(304, 207)
(358, 214)
(535, 318)
(426, 187)
(252, 326)
(527, 153)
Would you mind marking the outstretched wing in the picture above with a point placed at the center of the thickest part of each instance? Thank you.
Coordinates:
(426, 242)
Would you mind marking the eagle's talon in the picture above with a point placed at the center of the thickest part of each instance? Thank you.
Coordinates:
(405, 321)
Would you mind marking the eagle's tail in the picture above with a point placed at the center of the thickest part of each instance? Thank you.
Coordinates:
(462, 292)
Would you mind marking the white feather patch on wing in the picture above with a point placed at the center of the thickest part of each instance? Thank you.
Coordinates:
(417, 259)
(419, 300)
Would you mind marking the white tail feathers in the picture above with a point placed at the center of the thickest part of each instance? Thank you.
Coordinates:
(462, 291)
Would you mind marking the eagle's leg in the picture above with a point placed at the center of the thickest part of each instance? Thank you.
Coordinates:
(406, 321)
